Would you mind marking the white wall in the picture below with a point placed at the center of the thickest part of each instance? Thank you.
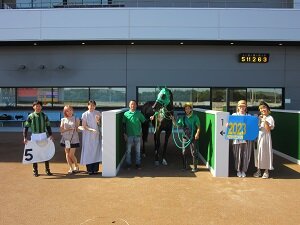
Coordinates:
(150, 24)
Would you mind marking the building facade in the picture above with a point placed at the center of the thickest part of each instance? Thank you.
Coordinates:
(208, 55)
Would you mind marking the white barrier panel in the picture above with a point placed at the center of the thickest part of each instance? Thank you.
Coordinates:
(113, 147)
(213, 146)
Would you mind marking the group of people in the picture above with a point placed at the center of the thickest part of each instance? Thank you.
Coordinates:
(91, 154)
(263, 153)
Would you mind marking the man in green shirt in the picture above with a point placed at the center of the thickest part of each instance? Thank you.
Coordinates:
(132, 121)
(191, 127)
(39, 124)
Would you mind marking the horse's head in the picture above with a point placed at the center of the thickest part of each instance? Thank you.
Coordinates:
(163, 100)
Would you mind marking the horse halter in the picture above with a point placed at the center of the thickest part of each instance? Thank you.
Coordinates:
(163, 97)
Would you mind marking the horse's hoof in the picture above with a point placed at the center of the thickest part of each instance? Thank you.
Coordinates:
(164, 162)
(156, 163)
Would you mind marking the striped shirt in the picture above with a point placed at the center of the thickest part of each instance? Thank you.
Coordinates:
(38, 123)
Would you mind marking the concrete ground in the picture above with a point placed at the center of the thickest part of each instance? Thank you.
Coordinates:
(154, 195)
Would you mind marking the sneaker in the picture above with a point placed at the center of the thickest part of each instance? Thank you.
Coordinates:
(76, 169)
(257, 174)
(243, 174)
(194, 170)
(35, 173)
(49, 173)
(239, 174)
(70, 171)
(265, 175)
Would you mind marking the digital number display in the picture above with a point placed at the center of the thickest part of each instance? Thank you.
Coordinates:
(254, 58)
(236, 130)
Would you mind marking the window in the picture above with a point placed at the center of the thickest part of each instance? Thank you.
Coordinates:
(25, 96)
(109, 97)
(235, 95)
(199, 97)
(77, 97)
(7, 97)
(146, 95)
(22, 4)
(273, 96)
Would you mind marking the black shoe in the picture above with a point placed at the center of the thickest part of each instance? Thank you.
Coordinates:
(128, 167)
(49, 173)
(35, 173)
(90, 173)
(138, 167)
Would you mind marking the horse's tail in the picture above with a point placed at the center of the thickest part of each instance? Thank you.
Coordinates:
(145, 130)
(147, 111)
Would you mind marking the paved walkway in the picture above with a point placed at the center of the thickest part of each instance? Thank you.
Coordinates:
(160, 195)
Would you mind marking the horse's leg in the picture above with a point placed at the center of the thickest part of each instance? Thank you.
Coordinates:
(145, 128)
(143, 149)
(164, 154)
(184, 156)
(157, 145)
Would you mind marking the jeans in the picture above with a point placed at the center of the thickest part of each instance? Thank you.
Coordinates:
(136, 141)
(194, 152)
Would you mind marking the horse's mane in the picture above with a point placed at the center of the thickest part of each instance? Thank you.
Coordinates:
(170, 107)
(147, 109)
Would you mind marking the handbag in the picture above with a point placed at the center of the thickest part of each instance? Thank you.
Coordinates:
(68, 142)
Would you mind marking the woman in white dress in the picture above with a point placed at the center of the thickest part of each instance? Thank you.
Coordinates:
(91, 154)
(264, 157)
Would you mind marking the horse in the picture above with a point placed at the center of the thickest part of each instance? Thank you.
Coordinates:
(163, 110)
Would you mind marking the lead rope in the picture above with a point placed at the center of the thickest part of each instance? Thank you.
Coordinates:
(184, 144)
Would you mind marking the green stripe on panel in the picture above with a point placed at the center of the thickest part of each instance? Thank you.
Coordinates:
(285, 136)
(207, 137)
(121, 144)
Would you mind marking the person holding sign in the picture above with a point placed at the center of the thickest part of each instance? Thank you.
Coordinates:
(191, 128)
(264, 155)
(91, 154)
(241, 148)
(39, 124)
(70, 138)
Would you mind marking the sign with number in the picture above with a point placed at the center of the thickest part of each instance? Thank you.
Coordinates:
(254, 57)
(242, 128)
(38, 151)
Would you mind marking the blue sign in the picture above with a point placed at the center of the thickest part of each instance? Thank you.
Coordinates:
(242, 128)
